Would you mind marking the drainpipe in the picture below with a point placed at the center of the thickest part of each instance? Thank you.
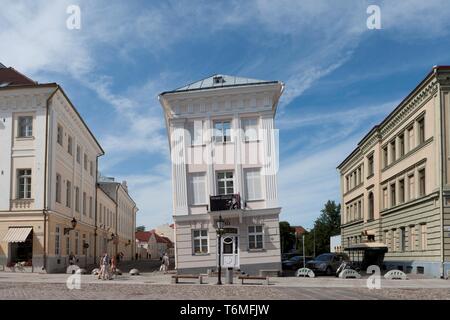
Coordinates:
(442, 172)
(45, 210)
(96, 206)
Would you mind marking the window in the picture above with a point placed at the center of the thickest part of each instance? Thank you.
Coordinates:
(77, 242)
(371, 206)
(411, 143)
(200, 239)
(359, 209)
(401, 145)
(401, 191)
(385, 156)
(370, 167)
(85, 161)
(385, 237)
(385, 198)
(421, 126)
(69, 145)
(393, 198)
(412, 238)
(393, 151)
(77, 199)
(78, 154)
(255, 237)
(222, 131)
(100, 213)
(225, 183)
(57, 242)
(198, 188)
(58, 188)
(25, 127)
(347, 183)
(59, 137)
(67, 245)
(196, 132)
(423, 237)
(24, 184)
(358, 176)
(393, 240)
(84, 204)
(421, 182)
(90, 207)
(253, 184)
(250, 127)
(91, 168)
(68, 194)
(411, 187)
(402, 239)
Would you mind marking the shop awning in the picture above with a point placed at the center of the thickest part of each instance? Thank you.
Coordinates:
(17, 234)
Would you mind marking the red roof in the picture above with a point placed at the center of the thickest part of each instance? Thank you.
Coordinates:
(11, 77)
(143, 236)
(299, 230)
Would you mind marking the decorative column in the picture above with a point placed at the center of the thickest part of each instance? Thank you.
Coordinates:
(178, 158)
(269, 159)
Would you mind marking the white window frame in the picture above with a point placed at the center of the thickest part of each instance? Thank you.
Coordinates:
(200, 237)
(24, 177)
(58, 241)
(253, 233)
(196, 132)
(58, 188)
(250, 127)
(225, 180)
(68, 194)
(25, 126)
(251, 177)
(221, 135)
(70, 145)
(196, 180)
(60, 135)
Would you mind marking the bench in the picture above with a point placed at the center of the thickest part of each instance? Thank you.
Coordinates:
(175, 278)
(242, 278)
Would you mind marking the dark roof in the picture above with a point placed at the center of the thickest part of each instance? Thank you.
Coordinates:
(11, 77)
(219, 81)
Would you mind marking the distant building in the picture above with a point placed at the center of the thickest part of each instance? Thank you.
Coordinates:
(335, 244)
(166, 230)
(150, 245)
(118, 226)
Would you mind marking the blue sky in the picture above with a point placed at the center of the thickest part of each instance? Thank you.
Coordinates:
(341, 78)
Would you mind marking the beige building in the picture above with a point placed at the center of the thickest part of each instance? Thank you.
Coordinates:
(224, 164)
(48, 169)
(396, 184)
(48, 178)
(117, 225)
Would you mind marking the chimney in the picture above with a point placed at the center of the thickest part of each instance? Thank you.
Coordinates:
(124, 185)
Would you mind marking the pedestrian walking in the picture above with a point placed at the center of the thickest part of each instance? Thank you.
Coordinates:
(72, 259)
(165, 263)
(105, 264)
(113, 267)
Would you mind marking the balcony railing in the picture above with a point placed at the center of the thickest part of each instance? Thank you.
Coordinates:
(225, 202)
(21, 204)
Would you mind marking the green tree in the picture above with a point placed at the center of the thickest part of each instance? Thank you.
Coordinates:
(328, 224)
(140, 228)
(287, 236)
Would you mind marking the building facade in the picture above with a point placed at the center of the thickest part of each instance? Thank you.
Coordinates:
(224, 164)
(48, 169)
(48, 178)
(119, 225)
(396, 184)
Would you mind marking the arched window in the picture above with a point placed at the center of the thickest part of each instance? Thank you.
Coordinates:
(371, 215)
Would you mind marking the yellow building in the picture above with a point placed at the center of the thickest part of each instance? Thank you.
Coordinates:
(395, 185)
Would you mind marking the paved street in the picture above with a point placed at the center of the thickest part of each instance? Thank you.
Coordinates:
(154, 285)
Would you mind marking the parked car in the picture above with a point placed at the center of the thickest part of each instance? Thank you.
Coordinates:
(287, 256)
(294, 263)
(327, 263)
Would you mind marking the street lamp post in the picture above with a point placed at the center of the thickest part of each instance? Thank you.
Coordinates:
(314, 242)
(220, 225)
(303, 242)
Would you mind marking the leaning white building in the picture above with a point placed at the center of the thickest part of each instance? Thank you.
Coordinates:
(224, 163)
